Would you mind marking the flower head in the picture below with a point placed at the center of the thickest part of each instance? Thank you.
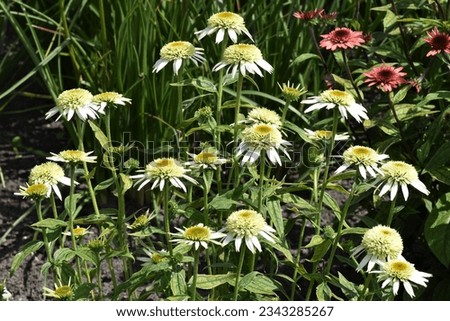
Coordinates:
(197, 235)
(439, 42)
(140, 223)
(225, 22)
(61, 292)
(245, 58)
(365, 158)
(78, 232)
(162, 170)
(34, 191)
(324, 135)
(261, 115)
(398, 173)
(73, 157)
(111, 98)
(314, 15)
(247, 225)
(291, 92)
(398, 270)
(333, 98)
(207, 158)
(50, 174)
(75, 102)
(380, 243)
(262, 137)
(385, 77)
(342, 38)
(177, 51)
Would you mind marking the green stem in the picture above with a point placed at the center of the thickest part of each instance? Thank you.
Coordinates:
(261, 180)
(350, 76)
(285, 109)
(238, 272)
(71, 220)
(341, 225)
(236, 129)
(391, 211)
(297, 259)
(167, 217)
(44, 237)
(194, 275)
(179, 112)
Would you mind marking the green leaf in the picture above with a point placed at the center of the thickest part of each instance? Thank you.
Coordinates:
(105, 184)
(87, 254)
(315, 240)
(323, 292)
(389, 19)
(304, 57)
(440, 158)
(83, 291)
(101, 137)
(126, 181)
(441, 174)
(255, 282)
(320, 250)
(347, 287)
(222, 203)
(400, 95)
(63, 255)
(51, 223)
(70, 207)
(26, 250)
(178, 283)
(207, 282)
(354, 230)
(276, 215)
(437, 230)
(204, 84)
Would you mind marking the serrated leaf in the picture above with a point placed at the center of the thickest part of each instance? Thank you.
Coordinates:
(26, 250)
(347, 287)
(207, 282)
(87, 254)
(320, 250)
(83, 291)
(441, 174)
(105, 184)
(437, 230)
(51, 223)
(222, 203)
(354, 230)
(304, 57)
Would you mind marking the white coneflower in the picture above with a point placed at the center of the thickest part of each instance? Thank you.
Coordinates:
(161, 170)
(78, 232)
(225, 23)
(380, 243)
(262, 115)
(365, 158)
(61, 292)
(5, 295)
(50, 174)
(262, 137)
(78, 102)
(73, 156)
(177, 51)
(245, 58)
(34, 191)
(207, 158)
(247, 225)
(396, 271)
(324, 135)
(333, 98)
(197, 235)
(111, 98)
(291, 92)
(398, 173)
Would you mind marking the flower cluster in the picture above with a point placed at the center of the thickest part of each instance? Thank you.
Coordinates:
(383, 246)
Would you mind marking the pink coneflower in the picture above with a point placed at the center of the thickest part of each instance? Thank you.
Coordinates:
(314, 14)
(342, 38)
(385, 77)
(439, 41)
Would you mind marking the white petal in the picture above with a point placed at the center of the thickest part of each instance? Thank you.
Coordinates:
(385, 188)
(394, 190)
(408, 288)
(405, 190)
(237, 243)
(362, 171)
(176, 65)
(396, 287)
(220, 34)
(420, 186)
(249, 243)
(232, 34)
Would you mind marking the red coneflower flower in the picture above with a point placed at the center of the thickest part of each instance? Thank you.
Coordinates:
(439, 41)
(342, 38)
(385, 77)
